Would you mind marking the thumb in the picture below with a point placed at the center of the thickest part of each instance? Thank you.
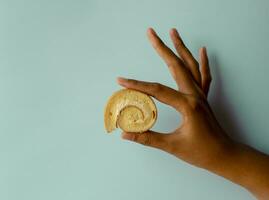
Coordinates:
(148, 138)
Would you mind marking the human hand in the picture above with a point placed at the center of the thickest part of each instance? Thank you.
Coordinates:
(199, 139)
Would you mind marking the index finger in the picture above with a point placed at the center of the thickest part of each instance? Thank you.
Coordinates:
(175, 65)
(161, 92)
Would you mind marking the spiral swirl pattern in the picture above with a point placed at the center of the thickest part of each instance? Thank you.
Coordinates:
(130, 110)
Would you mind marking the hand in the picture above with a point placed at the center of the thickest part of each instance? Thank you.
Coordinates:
(199, 140)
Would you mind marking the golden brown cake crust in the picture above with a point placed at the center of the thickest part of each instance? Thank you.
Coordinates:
(130, 110)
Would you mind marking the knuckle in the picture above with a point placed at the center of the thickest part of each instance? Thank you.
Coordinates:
(178, 44)
(136, 138)
(178, 62)
(182, 45)
(194, 63)
(180, 101)
(135, 82)
(157, 87)
(173, 63)
(158, 44)
(145, 139)
(194, 103)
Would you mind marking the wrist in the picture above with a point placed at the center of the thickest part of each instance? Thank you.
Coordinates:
(244, 166)
(225, 154)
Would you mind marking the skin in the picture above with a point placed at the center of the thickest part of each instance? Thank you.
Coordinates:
(199, 139)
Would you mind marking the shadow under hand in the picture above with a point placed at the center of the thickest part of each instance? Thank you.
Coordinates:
(222, 108)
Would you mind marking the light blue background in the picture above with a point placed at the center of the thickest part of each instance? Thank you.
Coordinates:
(58, 64)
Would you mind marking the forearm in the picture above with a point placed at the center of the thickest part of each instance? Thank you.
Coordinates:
(199, 140)
(247, 167)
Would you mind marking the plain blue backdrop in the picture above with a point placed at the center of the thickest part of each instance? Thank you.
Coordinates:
(58, 64)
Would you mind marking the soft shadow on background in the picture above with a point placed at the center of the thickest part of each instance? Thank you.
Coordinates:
(220, 102)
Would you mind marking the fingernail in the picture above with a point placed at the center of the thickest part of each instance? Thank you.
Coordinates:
(201, 50)
(122, 80)
(174, 31)
(151, 31)
(127, 136)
